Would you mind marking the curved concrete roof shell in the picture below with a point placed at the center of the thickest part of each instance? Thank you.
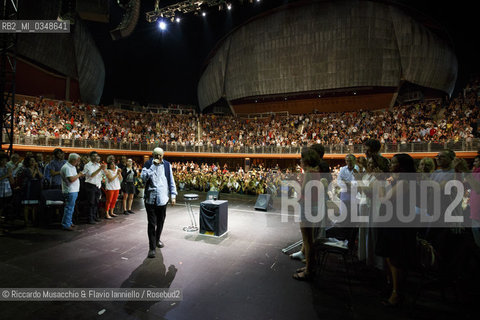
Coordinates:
(327, 45)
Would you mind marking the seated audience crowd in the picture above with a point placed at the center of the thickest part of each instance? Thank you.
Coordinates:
(213, 177)
(430, 121)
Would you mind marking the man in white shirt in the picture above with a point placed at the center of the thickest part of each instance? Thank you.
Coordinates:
(70, 188)
(93, 181)
(14, 164)
(345, 179)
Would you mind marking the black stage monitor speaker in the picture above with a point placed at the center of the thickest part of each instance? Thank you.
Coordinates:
(263, 202)
(214, 195)
(214, 217)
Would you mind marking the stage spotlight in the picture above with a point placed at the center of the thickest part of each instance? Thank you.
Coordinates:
(229, 6)
(162, 25)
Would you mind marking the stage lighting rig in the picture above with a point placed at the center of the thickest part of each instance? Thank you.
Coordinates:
(129, 20)
(184, 7)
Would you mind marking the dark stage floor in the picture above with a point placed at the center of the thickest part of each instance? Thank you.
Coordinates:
(243, 275)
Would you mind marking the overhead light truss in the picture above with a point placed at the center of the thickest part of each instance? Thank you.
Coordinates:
(183, 7)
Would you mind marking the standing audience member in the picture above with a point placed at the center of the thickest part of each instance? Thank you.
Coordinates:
(473, 180)
(14, 164)
(373, 152)
(129, 173)
(362, 164)
(475, 203)
(70, 188)
(444, 172)
(93, 182)
(41, 164)
(29, 180)
(397, 244)
(367, 207)
(324, 166)
(309, 162)
(41, 167)
(111, 158)
(6, 182)
(123, 162)
(112, 187)
(52, 170)
(346, 179)
(324, 170)
(426, 165)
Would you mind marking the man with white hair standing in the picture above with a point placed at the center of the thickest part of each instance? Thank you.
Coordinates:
(70, 188)
(159, 187)
(93, 172)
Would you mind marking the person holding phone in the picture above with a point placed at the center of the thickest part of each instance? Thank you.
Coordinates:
(112, 188)
(159, 188)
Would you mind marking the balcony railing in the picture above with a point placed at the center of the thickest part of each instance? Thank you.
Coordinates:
(462, 145)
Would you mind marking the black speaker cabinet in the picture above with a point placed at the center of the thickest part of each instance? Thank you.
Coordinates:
(214, 217)
(263, 202)
(214, 195)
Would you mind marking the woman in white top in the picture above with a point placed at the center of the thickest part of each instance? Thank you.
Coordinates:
(112, 187)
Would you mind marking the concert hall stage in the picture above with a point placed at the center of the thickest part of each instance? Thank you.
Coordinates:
(242, 275)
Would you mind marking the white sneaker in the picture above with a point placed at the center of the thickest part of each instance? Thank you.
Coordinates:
(297, 255)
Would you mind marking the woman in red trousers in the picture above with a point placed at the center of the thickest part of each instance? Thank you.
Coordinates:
(112, 187)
